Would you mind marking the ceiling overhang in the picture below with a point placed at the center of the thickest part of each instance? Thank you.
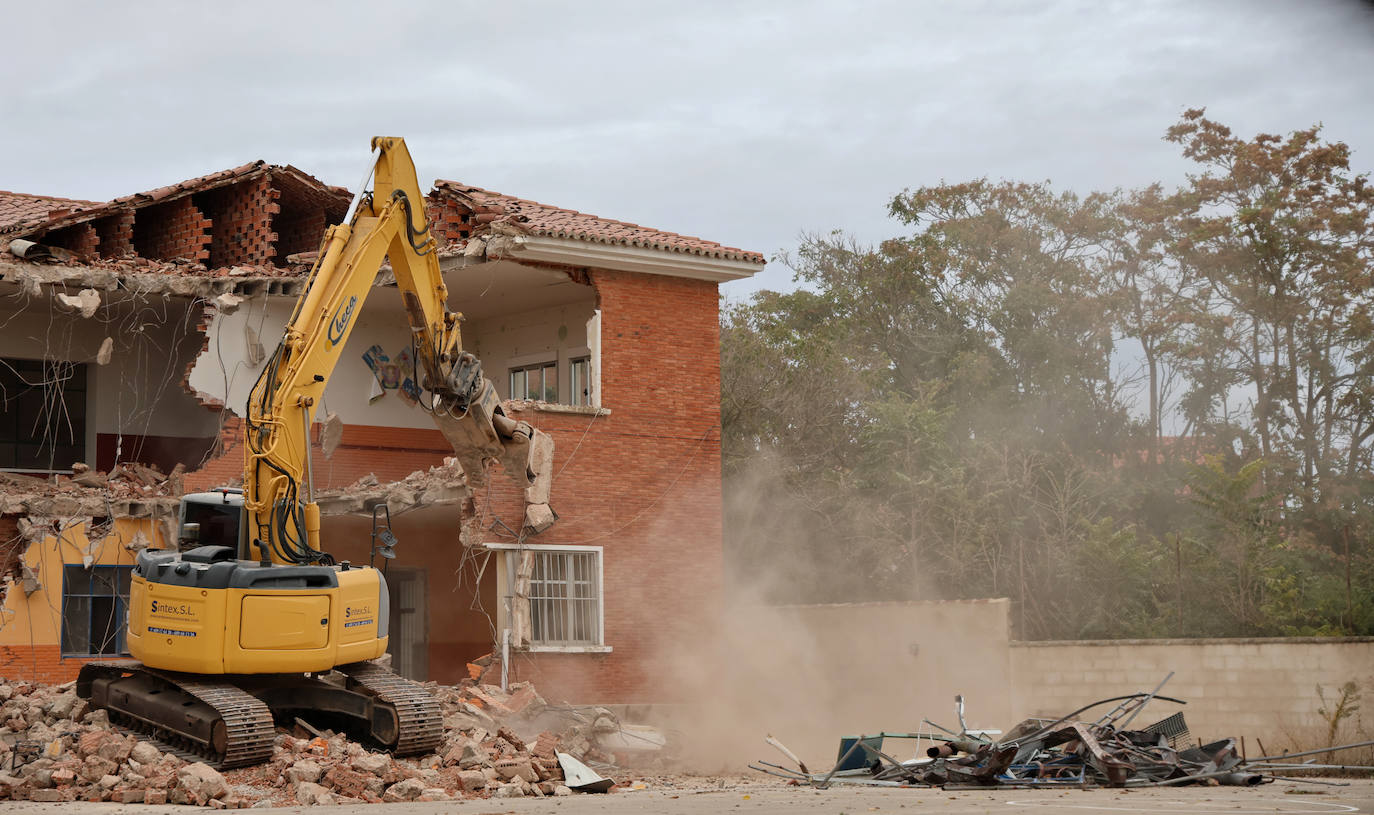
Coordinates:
(570, 252)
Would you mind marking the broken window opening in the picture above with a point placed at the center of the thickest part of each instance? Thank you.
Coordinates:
(94, 610)
(42, 415)
(538, 382)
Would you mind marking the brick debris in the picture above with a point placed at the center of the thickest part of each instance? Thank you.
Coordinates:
(497, 743)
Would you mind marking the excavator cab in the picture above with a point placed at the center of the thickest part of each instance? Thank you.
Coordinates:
(213, 518)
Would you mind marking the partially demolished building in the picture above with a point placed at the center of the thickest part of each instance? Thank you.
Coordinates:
(131, 331)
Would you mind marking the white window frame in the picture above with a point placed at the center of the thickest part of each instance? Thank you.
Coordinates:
(539, 365)
(586, 396)
(507, 567)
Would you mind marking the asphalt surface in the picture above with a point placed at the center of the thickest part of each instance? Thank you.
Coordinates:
(767, 798)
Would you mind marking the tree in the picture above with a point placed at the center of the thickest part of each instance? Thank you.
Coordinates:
(1283, 235)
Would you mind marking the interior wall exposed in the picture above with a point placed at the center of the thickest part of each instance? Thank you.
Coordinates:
(500, 328)
(556, 334)
(135, 401)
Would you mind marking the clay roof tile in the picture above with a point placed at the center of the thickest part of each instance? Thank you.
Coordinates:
(558, 222)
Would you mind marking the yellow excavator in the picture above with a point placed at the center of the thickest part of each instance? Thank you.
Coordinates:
(225, 637)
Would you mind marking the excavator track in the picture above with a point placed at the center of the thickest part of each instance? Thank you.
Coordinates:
(216, 721)
(421, 721)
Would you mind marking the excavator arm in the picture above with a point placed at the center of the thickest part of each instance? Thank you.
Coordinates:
(387, 222)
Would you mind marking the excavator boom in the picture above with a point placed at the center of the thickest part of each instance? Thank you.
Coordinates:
(225, 646)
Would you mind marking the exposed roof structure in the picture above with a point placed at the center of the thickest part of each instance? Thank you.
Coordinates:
(268, 219)
(534, 218)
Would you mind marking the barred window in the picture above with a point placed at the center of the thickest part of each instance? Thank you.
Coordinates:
(565, 598)
(95, 610)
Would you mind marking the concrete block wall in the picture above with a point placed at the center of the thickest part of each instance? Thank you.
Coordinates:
(1262, 689)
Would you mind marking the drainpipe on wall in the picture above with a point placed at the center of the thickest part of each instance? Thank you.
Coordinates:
(505, 659)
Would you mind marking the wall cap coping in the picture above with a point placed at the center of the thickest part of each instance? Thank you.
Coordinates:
(1198, 641)
(890, 604)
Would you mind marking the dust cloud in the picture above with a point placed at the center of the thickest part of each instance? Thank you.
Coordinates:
(810, 674)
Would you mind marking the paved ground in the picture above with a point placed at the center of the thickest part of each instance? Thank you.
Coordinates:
(766, 798)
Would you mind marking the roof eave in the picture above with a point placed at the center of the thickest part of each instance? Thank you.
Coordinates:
(618, 257)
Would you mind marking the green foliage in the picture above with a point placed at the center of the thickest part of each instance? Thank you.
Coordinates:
(949, 414)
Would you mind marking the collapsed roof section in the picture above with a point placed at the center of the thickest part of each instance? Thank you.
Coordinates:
(251, 217)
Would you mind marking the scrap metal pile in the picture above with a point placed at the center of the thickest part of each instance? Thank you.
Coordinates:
(1064, 752)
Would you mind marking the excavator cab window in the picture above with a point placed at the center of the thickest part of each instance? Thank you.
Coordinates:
(219, 524)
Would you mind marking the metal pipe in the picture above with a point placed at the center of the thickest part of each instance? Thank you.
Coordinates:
(1236, 779)
(309, 470)
(362, 187)
(1311, 781)
(1145, 701)
(1314, 752)
(825, 782)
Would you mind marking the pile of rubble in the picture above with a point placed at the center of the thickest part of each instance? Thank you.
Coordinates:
(53, 747)
(1061, 752)
(127, 480)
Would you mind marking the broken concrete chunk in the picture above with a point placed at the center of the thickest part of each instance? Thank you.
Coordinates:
(106, 352)
(201, 781)
(228, 302)
(331, 434)
(312, 794)
(84, 302)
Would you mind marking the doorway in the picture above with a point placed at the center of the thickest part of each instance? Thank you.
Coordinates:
(409, 627)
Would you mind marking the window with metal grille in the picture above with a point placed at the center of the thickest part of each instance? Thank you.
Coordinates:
(580, 381)
(95, 606)
(535, 382)
(565, 598)
(42, 415)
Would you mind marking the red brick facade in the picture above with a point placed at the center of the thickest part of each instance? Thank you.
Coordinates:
(643, 483)
(43, 663)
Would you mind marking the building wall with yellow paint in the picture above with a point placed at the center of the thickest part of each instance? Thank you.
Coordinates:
(31, 616)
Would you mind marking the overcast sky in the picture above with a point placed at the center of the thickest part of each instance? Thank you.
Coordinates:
(741, 122)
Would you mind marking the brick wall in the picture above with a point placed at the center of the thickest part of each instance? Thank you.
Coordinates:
(42, 663)
(116, 235)
(176, 229)
(644, 483)
(242, 217)
(81, 239)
